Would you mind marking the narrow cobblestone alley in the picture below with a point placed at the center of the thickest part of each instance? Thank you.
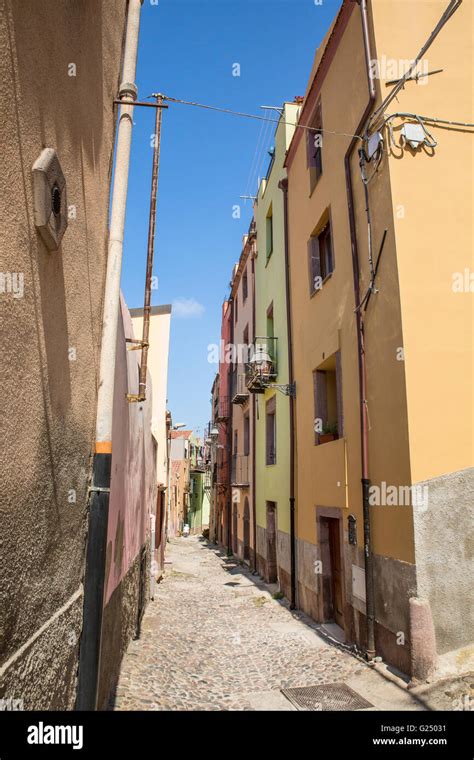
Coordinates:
(214, 638)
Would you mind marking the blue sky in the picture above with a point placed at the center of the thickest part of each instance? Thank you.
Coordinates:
(187, 50)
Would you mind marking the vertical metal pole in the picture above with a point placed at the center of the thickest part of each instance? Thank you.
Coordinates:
(150, 252)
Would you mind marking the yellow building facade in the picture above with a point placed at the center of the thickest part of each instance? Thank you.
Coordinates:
(382, 334)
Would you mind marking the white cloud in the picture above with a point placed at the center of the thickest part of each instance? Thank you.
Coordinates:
(187, 308)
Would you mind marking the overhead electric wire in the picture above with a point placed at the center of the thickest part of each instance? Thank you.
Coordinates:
(254, 160)
(259, 118)
(264, 156)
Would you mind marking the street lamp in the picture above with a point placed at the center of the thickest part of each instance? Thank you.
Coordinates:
(261, 360)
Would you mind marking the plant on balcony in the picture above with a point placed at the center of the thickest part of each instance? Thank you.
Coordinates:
(329, 433)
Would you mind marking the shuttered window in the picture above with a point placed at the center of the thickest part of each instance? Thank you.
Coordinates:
(314, 148)
(328, 400)
(320, 258)
(270, 415)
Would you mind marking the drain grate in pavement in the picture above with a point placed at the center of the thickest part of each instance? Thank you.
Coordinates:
(328, 696)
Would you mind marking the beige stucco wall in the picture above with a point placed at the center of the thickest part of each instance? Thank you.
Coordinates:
(158, 354)
(48, 396)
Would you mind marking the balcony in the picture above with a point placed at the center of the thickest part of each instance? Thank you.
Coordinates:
(240, 470)
(222, 409)
(240, 392)
(262, 368)
(222, 473)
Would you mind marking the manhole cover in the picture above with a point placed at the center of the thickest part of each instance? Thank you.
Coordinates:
(328, 696)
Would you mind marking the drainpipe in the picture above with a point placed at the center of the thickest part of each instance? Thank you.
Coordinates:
(94, 582)
(229, 441)
(368, 556)
(283, 185)
(254, 428)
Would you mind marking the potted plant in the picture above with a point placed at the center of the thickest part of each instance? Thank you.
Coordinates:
(329, 433)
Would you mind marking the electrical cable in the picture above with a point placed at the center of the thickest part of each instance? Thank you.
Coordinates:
(452, 7)
(250, 177)
(259, 118)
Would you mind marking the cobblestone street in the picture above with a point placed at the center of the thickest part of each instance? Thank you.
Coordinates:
(214, 638)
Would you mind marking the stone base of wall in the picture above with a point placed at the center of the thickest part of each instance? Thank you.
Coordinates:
(119, 626)
(283, 559)
(444, 542)
(395, 586)
(43, 673)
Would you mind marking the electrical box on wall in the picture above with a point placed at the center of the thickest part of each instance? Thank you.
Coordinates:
(358, 582)
(49, 198)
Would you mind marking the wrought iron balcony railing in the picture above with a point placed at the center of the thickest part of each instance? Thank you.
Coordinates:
(240, 392)
(223, 409)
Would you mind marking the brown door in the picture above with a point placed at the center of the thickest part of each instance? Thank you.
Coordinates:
(272, 572)
(246, 529)
(336, 571)
(235, 543)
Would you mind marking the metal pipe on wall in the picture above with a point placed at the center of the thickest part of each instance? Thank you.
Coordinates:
(94, 582)
(364, 124)
(229, 440)
(254, 421)
(283, 185)
(365, 480)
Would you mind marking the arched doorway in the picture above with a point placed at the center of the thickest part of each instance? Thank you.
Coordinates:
(246, 529)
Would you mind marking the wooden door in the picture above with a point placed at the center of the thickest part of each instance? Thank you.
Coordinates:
(336, 571)
(272, 570)
(235, 543)
(246, 529)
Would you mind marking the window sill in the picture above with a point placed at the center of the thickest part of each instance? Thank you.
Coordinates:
(328, 277)
(325, 443)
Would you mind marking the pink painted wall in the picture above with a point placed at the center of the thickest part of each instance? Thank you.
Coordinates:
(133, 483)
(224, 368)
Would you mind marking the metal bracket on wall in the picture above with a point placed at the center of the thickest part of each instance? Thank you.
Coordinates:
(135, 397)
(139, 344)
(287, 390)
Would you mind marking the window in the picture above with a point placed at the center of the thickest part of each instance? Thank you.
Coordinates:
(236, 441)
(270, 414)
(327, 385)
(270, 326)
(246, 435)
(236, 308)
(320, 258)
(269, 232)
(314, 148)
(245, 286)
